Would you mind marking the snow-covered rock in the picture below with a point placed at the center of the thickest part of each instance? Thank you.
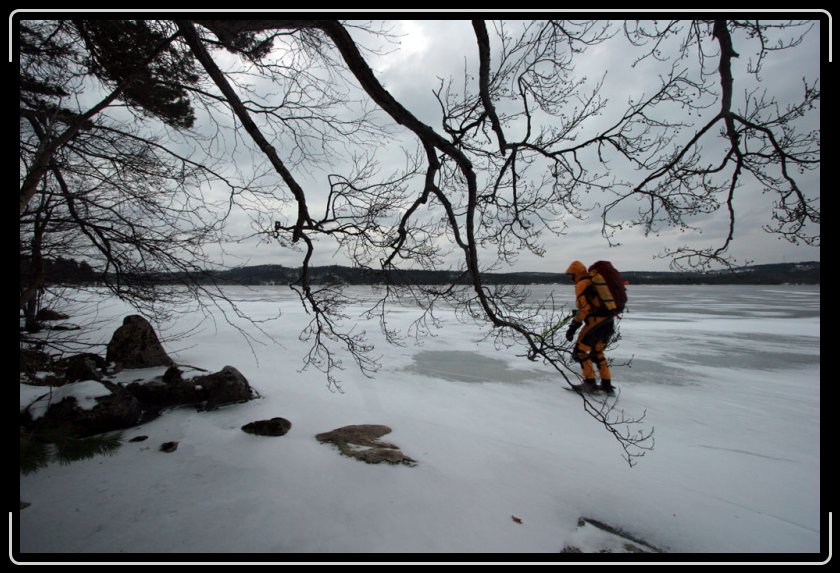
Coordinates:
(82, 409)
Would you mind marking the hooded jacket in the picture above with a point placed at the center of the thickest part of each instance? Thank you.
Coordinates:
(587, 305)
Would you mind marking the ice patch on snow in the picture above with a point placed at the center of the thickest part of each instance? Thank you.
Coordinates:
(468, 366)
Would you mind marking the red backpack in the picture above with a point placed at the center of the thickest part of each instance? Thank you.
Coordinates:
(609, 285)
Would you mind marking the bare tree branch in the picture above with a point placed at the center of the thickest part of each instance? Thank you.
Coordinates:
(524, 148)
(192, 38)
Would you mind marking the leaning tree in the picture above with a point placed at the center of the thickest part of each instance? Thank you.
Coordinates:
(523, 141)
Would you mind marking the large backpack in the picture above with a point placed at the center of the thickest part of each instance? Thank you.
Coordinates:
(609, 285)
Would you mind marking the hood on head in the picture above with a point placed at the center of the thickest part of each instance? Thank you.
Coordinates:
(577, 270)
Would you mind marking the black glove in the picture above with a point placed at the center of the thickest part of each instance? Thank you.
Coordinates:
(570, 334)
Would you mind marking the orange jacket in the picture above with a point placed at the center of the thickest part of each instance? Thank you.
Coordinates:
(587, 305)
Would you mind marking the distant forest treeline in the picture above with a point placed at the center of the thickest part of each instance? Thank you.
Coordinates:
(64, 271)
(800, 273)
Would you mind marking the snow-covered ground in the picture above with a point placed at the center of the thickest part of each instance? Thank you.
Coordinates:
(728, 378)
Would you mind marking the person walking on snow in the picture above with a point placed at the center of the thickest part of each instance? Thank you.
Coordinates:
(598, 327)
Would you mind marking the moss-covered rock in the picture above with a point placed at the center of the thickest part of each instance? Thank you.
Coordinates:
(362, 442)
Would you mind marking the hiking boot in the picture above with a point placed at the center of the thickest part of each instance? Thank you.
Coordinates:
(606, 387)
(588, 387)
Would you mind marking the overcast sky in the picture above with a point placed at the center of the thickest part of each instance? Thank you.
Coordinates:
(432, 49)
(424, 52)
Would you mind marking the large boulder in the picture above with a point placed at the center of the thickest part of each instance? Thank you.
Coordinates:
(273, 427)
(32, 361)
(82, 409)
(85, 366)
(46, 314)
(135, 345)
(210, 391)
(223, 387)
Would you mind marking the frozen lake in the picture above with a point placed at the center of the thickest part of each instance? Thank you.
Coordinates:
(670, 334)
(728, 376)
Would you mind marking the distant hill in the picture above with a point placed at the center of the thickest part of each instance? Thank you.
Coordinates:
(782, 273)
(66, 271)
